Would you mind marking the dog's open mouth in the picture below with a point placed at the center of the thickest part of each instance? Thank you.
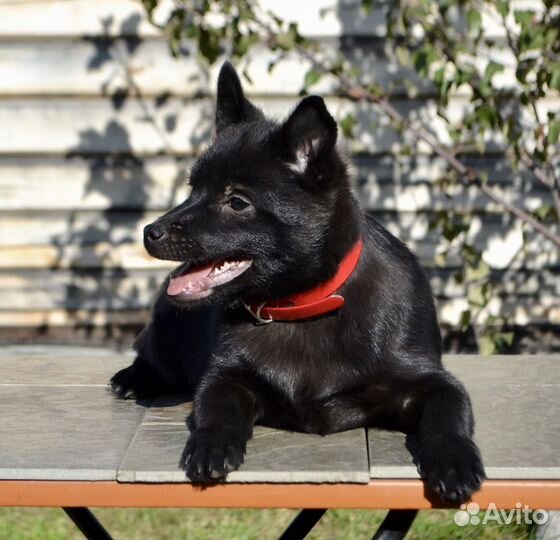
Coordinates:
(199, 282)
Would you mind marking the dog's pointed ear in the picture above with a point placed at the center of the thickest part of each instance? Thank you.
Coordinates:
(232, 105)
(309, 133)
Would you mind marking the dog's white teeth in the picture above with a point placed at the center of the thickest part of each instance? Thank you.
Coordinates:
(188, 289)
(225, 267)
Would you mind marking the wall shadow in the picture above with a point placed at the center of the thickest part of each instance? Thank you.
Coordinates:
(106, 297)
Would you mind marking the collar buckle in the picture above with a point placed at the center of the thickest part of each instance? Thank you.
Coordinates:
(257, 314)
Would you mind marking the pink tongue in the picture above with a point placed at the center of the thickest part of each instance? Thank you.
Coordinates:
(178, 283)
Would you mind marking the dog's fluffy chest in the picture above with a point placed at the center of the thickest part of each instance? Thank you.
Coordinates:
(303, 360)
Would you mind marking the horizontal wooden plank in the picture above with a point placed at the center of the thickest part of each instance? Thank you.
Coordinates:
(97, 183)
(96, 67)
(99, 17)
(519, 312)
(132, 256)
(101, 66)
(120, 289)
(94, 126)
(74, 18)
(128, 256)
(160, 182)
(90, 291)
(64, 318)
(338, 17)
(67, 228)
(70, 233)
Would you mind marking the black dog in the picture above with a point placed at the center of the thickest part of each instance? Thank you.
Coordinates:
(272, 231)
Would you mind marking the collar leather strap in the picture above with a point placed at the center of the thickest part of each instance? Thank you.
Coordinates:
(311, 303)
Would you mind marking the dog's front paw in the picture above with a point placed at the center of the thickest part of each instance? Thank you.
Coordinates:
(452, 467)
(135, 382)
(211, 454)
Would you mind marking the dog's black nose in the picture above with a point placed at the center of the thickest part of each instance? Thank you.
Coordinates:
(154, 232)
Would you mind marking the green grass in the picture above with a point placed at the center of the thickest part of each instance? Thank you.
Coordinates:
(179, 524)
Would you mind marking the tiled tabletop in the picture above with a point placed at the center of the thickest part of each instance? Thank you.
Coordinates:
(59, 422)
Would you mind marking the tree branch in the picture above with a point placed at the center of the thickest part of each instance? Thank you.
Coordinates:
(358, 92)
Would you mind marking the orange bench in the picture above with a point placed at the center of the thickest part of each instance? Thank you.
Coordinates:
(67, 442)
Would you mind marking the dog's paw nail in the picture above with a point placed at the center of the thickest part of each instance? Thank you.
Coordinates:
(187, 460)
(116, 389)
(216, 475)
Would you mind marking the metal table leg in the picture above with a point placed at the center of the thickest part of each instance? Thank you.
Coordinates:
(395, 525)
(302, 524)
(87, 523)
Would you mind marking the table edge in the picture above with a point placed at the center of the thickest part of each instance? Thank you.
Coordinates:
(377, 494)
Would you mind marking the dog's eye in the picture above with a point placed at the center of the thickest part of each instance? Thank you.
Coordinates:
(237, 203)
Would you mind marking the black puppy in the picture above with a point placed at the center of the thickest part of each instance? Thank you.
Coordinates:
(271, 231)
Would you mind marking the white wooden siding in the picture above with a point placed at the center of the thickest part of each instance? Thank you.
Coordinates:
(83, 167)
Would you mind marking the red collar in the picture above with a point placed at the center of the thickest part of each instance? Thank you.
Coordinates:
(311, 303)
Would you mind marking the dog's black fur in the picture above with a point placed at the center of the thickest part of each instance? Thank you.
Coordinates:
(279, 194)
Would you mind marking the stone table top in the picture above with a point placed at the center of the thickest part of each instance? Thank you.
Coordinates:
(60, 422)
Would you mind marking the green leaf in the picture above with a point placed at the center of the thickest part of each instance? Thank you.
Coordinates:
(477, 296)
(554, 69)
(493, 341)
(492, 68)
(367, 5)
(551, 36)
(311, 77)
(486, 84)
(486, 345)
(285, 41)
(441, 259)
(347, 125)
(545, 212)
(405, 150)
(275, 18)
(553, 131)
(463, 75)
(474, 20)
(452, 229)
(487, 116)
(524, 18)
(507, 338)
(503, 7)
(149, 6)
(443, 85)
(242, 43)
(289, 39)
(478, 272)
(465, 319)
(209, 45)
(423, 59)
